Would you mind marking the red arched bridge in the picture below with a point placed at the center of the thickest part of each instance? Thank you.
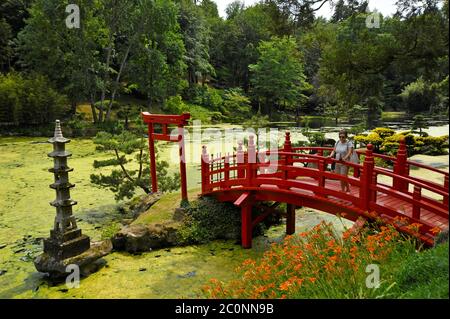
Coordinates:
(299, 177)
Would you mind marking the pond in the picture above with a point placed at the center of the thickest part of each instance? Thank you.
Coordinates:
(26, 217)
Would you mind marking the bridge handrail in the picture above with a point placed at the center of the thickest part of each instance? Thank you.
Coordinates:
(430, 168)
(360, 152)
(312, 148)
(411, 198)
(418, 179)
(253, 176)
(316, 157)
(410, 181)
(297, 157)
(387, 158)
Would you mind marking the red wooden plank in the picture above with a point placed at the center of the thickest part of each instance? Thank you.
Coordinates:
(242, 200)
(166, 119)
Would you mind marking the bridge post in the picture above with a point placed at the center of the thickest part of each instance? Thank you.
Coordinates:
(226, 166)
(287, 142)
(251, 161)
(151, 148)
(445, 199)
(417, 196)
(356, 171)
(290, 219)
(205, 170)
(400, 167)
(240, 159)
(246, 230)
(366, 178)
(321, 178)
(373, 193)
(182, 153)
(288, 149)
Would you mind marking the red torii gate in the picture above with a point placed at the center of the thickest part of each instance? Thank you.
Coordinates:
(165, 120)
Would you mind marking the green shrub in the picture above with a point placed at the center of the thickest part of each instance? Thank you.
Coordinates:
(236, 106)
(371, 138)
(109, 231)
(384, 132)
(202, 114)
(30, 100)
(79, 127)
(209, 98)
(314, 138)
(432, 145)
(420, 96)
(115, 105)
(387, 142)
(175, 105)
(207, 219)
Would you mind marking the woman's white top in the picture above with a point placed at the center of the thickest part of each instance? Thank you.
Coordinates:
(342, 149)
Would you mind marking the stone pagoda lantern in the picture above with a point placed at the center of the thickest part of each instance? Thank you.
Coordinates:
(66, 244)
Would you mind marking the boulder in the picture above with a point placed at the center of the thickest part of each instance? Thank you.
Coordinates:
(179, 214)
(87, 261)
(141, 204)
(140, 238)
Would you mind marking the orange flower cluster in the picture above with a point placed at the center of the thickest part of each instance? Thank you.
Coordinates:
(314, 264)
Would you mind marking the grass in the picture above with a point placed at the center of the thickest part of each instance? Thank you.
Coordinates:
(163, 210)
(393, 116)
(424, 275)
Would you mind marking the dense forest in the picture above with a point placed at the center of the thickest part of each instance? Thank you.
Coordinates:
(275, 58)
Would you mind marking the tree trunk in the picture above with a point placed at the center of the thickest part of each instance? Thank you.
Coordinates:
(150, 103)
(116, 84)
(126, 122)
(94, 112)
(73, 107)
(105, 78)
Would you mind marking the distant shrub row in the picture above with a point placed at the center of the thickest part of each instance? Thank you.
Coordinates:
(385, 140)
(29, 100)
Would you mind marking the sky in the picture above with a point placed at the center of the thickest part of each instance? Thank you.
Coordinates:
(386, 7)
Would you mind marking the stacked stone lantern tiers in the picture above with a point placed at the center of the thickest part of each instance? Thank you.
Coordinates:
(66, 240)
(66, 244)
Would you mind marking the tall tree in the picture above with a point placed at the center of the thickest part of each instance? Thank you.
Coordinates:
(235, 45)
(70, 58)
(156, 62)
(5, 45)
(278, 78)
(344, 9)
(196, 36)
(353, 65)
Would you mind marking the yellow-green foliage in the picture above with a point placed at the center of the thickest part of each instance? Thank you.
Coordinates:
(384, 132)
(372, 138)
(435, 141)
(387, 141)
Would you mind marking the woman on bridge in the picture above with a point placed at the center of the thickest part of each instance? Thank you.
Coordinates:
(342, 151)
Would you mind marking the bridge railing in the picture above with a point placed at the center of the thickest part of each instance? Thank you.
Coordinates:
(253, 168)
